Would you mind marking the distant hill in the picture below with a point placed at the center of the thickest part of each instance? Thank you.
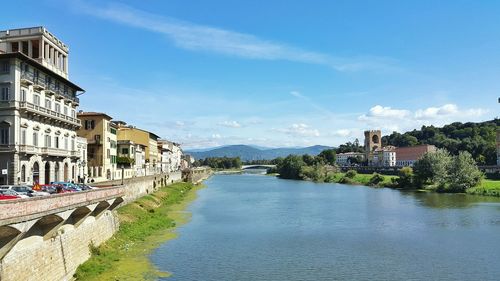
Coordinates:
(249, 153)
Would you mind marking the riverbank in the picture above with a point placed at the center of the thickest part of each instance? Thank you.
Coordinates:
(487, 187)
(144, 224)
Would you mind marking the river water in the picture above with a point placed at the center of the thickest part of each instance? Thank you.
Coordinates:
(255, 227)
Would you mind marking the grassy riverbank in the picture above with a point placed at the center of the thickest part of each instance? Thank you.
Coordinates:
(144, 224)
(487, 187)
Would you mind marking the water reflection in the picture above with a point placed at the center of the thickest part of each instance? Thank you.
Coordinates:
(449, 200)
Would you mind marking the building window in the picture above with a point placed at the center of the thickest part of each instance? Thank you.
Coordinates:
(5, 67)
(48, 104)
(35, 139)
(58, 108)
(65, 110)
(89, 124)
(14, 46)
(108, 154)
(4, 135)
(56, 141)
(73, 113)
(5, 93)
(23, 95)
(47, 140)
(23, 136)
(23, 173)
(36, 100)
(73, 145)
(66, 143)
(125, 151)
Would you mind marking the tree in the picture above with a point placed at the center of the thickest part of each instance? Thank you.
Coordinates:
(405, 179)
(351, 174)
(376, 179)
(291, 167)
(464, 173)
(433, 168)
(308, 159)
(329, 156)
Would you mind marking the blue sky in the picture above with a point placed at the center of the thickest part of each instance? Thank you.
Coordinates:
(277, 73)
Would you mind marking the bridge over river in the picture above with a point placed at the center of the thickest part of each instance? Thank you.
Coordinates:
(257, 166)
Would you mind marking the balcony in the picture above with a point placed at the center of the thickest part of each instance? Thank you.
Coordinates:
(28, 149)
(27, 78)
(49, 113)
(55, 151)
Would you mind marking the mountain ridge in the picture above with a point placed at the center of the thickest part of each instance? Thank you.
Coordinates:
(249, 152)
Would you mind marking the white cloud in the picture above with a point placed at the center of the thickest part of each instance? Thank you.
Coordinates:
(216, 136)
(230, 124)
(390, 119)
(300, 129)
(379, 111)
(342, 133)
(192, 36)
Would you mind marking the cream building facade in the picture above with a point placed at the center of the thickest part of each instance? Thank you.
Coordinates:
(38, 107)
(101, 135)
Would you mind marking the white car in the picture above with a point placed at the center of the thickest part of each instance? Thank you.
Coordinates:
(12, 193)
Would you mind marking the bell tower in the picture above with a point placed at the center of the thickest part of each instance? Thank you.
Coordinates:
(373, 140)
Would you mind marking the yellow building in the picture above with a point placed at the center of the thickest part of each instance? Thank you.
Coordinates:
(101, 135)
(145, 138)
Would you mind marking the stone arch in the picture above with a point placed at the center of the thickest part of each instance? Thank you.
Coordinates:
(8, 238)
(78, 215)
(375, 139)
(116, 203)
(45, 226)
(100, 208)
(36, 172)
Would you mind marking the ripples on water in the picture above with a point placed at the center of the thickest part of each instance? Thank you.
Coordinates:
(254, 227)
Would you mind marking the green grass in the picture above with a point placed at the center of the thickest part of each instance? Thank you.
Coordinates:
(360, 179)
(143, 225)
(487, 187)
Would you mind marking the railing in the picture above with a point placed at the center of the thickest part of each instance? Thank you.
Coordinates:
(29, 77)
(49, 113)
(30, 208)
(28, 149)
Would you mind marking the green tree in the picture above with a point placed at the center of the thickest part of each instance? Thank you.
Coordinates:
(329, 156)
(405, 179)
(433, 168)
(376, 179)
(291, 167)
(464, 173)
(315, 173)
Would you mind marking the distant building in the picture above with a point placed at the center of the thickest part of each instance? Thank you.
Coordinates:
(407, 156)
(385, 156)
(171, 155)
(344, 159)
(81, 147)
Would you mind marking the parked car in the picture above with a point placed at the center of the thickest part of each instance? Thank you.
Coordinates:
(11, 192)
(68, 186)
(20, 189)
(7, 197)
(83, 186)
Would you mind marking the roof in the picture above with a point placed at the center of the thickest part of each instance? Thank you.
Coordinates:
(34, 63)
(90, 113)
(413, 152)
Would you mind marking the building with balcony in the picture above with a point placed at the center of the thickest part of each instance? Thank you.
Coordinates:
(38, 107)
(101, 135)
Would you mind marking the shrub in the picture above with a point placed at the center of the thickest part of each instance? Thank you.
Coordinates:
(351, 174)
(433, 168)
(463, 173)
(405, 179)
(345, 180)
(376, 179)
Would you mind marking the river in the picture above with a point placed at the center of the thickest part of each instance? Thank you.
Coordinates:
(255, 227)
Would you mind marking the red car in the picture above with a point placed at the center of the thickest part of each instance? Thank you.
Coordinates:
(7, 197)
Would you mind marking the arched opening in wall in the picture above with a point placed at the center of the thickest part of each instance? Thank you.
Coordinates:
(101, 207)
(375, 139)
(56, 172)
(23, 173)
(77, 216)
(36, 173)
(8, 237)
(116, 203)
(73, 173)
(45, 226)
(66, 172)
(47, 172)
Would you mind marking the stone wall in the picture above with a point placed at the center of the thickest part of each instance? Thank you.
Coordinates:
(57, 258)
